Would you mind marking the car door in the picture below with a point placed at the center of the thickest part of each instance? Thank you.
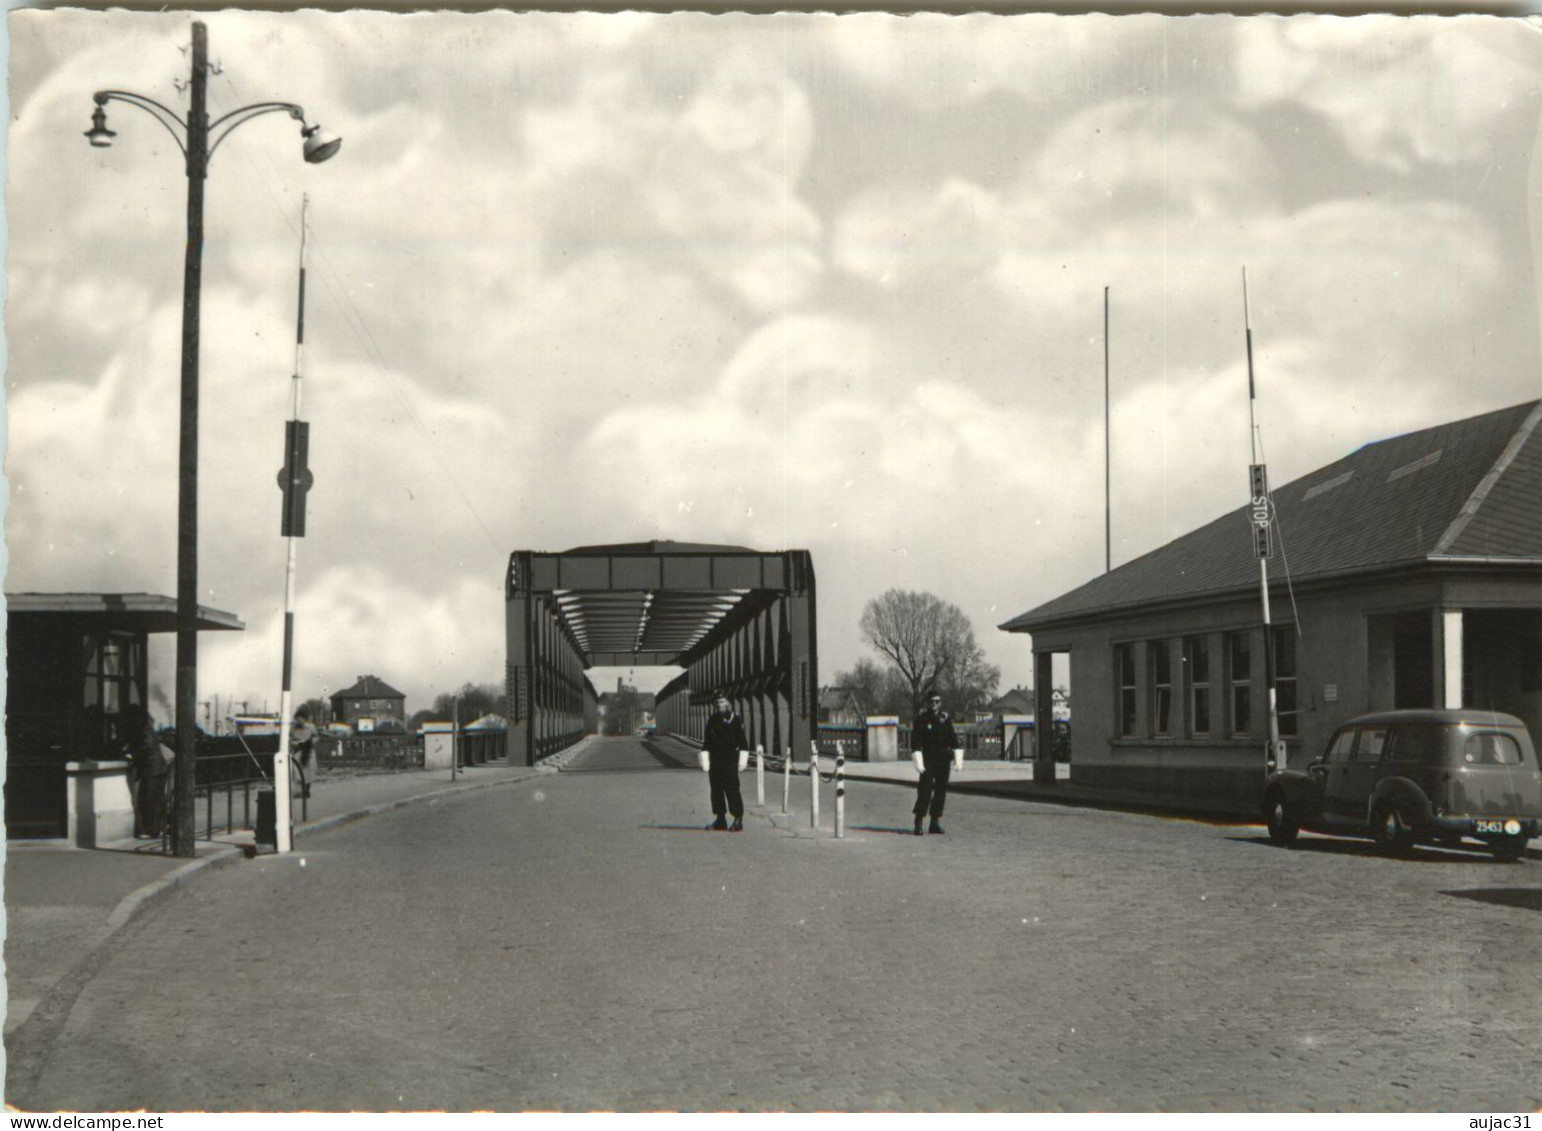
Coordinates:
(1360, 774)
(1333, 770)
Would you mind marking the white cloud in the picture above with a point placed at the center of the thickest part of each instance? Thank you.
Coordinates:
(1425, 90)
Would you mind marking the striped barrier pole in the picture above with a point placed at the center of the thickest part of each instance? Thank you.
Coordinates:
(813, 781)
(786, 780)
(840, 789)
(760, 775)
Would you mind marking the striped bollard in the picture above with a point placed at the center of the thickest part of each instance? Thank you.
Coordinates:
(760, 775)
(786, 780)
(813, 781)
(840, 789)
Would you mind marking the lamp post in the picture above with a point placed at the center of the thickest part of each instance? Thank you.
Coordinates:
(197, 138)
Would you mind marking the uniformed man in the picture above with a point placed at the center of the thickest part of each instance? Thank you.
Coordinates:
(722, 741)
(934, 737)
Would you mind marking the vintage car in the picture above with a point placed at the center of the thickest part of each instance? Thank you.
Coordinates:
(1402, 777)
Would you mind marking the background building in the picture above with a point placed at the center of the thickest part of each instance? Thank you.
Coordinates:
(368, 704)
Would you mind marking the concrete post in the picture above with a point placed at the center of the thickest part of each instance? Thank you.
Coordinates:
(883, 738)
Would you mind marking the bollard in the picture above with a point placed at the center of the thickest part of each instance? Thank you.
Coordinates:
(813, 781)
(760, 775)
(786, 780)
(840, 789)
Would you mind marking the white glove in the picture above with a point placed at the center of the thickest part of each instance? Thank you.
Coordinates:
(915, 756)
(704, 760)
(958, 760)
(744, 760)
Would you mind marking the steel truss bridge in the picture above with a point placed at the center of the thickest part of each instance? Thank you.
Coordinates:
(737, 620)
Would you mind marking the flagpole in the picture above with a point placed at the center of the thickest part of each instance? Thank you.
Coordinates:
(1108, 480)
(294, 480)
(1261, 515)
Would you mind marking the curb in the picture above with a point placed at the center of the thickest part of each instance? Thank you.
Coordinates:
(321, 824)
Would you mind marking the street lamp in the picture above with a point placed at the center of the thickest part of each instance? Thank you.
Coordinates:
(197, 138)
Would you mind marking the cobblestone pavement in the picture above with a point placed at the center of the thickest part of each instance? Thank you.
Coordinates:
(581, 942)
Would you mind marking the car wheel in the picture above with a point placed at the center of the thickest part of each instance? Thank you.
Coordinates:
(1389, 828)
(1509, 850)
(1281, 821)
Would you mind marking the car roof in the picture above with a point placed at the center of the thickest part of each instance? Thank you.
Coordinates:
(1450, 716)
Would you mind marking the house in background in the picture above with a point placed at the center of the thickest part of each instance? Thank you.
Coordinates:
(1018, 701)
(840, 706)
(75, 663)
(368, 704)
(1408, 574)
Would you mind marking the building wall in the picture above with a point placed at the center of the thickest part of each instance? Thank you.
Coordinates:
(1346, 664)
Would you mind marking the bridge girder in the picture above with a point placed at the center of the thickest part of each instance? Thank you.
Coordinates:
(736, 619)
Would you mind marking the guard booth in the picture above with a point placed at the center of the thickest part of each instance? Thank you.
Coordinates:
(737, 620)
(75, 663)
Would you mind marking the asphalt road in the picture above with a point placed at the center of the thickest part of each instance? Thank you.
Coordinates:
(580, 942)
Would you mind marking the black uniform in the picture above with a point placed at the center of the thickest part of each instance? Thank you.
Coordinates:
(934, 736)
(723, 740)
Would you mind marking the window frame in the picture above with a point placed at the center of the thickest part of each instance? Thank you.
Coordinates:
(1196, 676)
(1239, 689)
(1126, 699)
(1159, 691)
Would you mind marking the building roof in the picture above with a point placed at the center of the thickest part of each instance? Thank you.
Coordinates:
(369, 687)
(1017, 701)
(662, 546)
(1470, 490)
(141, 612)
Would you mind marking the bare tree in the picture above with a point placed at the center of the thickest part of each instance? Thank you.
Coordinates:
(876, 690)
(931, 644)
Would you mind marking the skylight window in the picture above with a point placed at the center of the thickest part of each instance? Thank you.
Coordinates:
(1336, 481)
(1417, 465)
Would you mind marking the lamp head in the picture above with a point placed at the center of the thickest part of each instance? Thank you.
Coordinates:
(99, 135)
(319, 145)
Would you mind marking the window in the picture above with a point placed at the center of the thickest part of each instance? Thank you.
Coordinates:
(1422, 744)
(1343, 746)
(1159, 665)
(1124, 677)
(1196, 667)
(1285, 702)
(1490, 749)
(1239, 680)
(1372, 739)
(114, 681)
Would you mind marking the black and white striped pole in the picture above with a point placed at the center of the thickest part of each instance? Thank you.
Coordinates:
(295, 480)
(840, 789)
(813, 782)
(786, 781)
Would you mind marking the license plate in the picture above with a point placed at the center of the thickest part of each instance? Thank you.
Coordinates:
(1489, 826)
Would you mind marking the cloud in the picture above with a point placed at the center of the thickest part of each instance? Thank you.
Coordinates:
(823, 282)
(1426, 89)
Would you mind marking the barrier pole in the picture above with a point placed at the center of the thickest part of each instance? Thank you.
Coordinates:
(813, 781)
(760, 775)
(786, 780)
(840, 789)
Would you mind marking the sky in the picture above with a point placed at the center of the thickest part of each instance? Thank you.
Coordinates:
(791, 281)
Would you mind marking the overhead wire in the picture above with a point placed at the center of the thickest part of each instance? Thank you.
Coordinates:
(267, 174)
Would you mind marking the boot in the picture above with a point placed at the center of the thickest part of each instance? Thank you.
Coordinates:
(737, 826)
(935, 827)
(918, 826)
(719, 825)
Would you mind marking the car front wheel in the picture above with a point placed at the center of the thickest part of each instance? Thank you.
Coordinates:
(1509, 850)
(1391, 831)
(1282, 822)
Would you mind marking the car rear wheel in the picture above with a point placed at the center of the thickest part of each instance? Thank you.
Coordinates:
(1282, 823)
(1509, 850)
(1391, 831)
